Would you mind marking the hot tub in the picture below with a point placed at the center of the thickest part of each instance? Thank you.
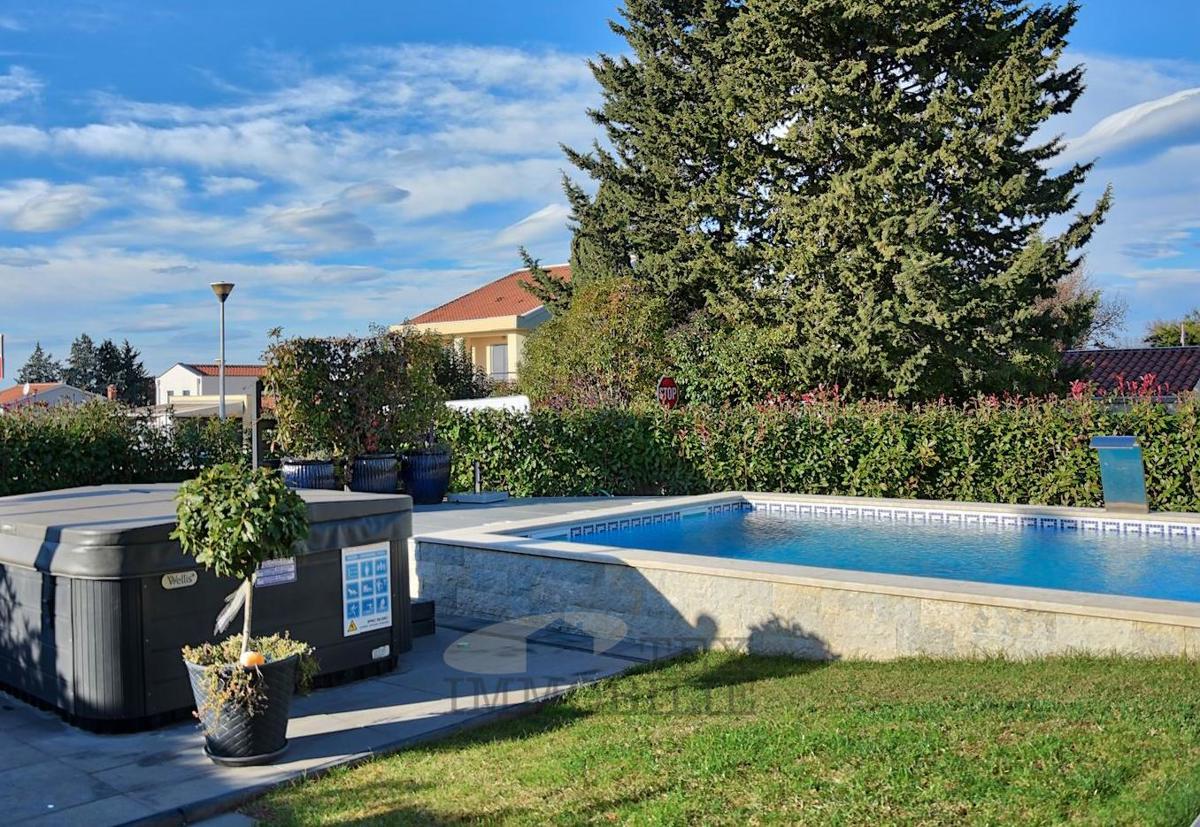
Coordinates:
(96, 599)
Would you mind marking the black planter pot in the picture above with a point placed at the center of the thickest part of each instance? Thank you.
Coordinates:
(235, 738)
(375, 474)
(427, 477)
(309, 473)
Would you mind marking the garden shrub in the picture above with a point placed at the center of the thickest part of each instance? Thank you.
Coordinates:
(607, 348)
(338, 398)
(42, 449)
(989, 450)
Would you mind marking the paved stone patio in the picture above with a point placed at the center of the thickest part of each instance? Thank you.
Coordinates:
(469, 674)
(53, 773)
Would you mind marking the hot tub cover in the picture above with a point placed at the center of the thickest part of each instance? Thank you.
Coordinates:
(118, 531)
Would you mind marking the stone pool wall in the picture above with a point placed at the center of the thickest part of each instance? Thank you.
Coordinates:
(767, 608)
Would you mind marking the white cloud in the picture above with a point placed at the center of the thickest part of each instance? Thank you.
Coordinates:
(228, 185)
(19, 83)
(325, 228)
(372, 192)
(36, 206)
(1143, 122)
(550, 219)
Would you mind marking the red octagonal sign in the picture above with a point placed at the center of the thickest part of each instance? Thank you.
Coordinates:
(668, 392)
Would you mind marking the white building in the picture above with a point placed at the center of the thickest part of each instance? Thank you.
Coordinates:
(183, 379)
(44, 393)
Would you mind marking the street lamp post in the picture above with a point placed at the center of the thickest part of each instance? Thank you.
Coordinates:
(222, 289)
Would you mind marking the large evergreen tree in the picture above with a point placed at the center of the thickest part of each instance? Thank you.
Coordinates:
(852, 186)
(135, 386)
(40, 367)
(109, 368)
(81, 370)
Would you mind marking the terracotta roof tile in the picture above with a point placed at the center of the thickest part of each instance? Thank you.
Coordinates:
(1176, 367)
(230, 370)
(503, 297)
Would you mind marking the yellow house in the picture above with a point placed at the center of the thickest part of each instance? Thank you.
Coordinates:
(491, 322)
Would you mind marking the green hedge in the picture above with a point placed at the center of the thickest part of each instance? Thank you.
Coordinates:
(42, 449)
(1018, 451)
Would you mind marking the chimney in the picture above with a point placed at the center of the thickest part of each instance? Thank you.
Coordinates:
(112, 393)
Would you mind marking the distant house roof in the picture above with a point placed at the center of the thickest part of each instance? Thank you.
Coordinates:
(17, 392)
(505, 296)
(214, 369)
(26, 392)
(1176, 367)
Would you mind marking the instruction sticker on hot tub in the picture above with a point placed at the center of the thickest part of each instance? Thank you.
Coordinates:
(366, 590)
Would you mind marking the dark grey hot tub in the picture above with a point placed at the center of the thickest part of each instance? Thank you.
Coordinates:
(96, 599)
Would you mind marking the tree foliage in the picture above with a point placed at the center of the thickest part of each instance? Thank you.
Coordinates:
(82, 368)
(344, 397)
(45, 448)
(40, 367)
(94, 368)
(607, 347)
(852, 185)
(987, 450)
(1169, 333)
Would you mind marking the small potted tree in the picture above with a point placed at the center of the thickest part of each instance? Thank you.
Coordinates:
(231, 519)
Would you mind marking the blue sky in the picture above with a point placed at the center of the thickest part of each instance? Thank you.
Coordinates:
(350, 163)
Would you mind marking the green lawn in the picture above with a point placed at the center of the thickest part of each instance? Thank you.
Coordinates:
(720, 738)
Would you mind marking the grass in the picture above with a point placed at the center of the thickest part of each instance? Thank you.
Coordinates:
(721, 738)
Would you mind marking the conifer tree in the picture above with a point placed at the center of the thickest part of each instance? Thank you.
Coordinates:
(135, 387)
(81, 368)
(853, 184)
(40, 367)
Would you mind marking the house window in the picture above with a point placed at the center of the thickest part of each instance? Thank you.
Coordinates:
(187, 393)
(498, 361)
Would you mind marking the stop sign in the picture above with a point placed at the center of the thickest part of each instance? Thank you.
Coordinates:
(668, 392)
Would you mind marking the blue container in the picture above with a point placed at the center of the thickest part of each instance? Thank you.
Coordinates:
(375, 474)
(309, 473)
(427, 477)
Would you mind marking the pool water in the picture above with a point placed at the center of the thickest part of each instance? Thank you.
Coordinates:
(1160, 567)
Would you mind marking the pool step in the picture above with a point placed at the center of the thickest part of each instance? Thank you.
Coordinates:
(423, 622)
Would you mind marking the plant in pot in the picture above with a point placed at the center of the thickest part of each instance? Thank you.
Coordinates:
(426, 469)
(231, 519)
(307, 378)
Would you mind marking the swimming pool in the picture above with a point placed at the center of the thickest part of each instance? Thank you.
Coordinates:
(1160, 565)
(834, 577)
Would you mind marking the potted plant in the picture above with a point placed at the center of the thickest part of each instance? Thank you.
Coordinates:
(231, 519)
(307, 378)
(374, 471)
(426, 470)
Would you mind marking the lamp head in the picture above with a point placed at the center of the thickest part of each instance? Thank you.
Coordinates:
(222, 289)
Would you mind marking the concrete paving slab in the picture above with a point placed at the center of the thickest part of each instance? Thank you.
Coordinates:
(450, 516)
(41, 789)
(111, 810)
(450, 681)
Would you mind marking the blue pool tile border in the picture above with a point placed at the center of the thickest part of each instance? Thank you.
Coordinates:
(884, 513)
(911, 514)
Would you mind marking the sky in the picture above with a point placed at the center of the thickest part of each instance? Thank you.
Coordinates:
(355, 163)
